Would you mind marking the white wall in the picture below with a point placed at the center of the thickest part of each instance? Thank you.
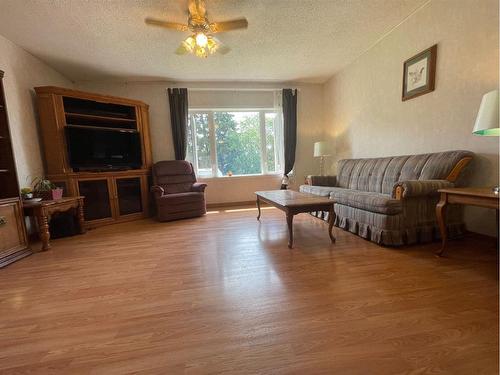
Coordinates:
(224, 190)
(365, 116)
(23, 72)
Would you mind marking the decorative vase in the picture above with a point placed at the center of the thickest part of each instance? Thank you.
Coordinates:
(57, 193)
(53, 194)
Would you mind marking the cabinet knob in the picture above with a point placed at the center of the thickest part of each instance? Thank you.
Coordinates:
(3, 220)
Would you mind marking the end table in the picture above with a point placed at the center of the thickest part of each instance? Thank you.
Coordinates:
(44, 209)
(482, 197)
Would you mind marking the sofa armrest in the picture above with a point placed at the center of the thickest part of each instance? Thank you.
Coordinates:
(321, 180)
(158, 191)
(419, 188)
(199, 187)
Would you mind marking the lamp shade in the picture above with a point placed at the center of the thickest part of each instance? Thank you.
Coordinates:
(487, 117)
(321, 149)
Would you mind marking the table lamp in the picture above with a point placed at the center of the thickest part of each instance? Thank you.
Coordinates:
(487, 118)
(321, 150)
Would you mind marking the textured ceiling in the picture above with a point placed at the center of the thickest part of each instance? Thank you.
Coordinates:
(302, 40)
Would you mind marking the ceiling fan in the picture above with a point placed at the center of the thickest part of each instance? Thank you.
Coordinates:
(201, 42)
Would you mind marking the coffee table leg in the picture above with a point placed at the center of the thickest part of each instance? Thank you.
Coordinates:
(331, 219)
(258, 207)
(289, 222)
(441, 219)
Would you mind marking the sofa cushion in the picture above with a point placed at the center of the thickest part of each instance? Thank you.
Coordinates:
(323, 191)
(440, 164)
(380, 174)
(373, 202)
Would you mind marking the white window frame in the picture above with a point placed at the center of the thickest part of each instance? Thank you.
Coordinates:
(278, 140)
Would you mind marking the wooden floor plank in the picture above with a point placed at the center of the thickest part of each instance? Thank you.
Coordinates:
(224, 294)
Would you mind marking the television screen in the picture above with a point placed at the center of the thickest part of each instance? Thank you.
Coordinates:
(99, 148)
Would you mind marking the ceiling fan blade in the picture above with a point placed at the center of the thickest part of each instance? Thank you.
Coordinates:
(197, 9)
(168, 25)
(220, 27)
(221, 47)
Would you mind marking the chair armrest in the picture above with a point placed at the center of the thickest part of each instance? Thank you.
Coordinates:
(418, 188)
(199, 187)
(321, 180)
(158, 191)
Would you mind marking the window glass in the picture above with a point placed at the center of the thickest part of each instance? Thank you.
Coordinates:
(235, 142)
(199, 143)
(271, 149)
(238, 143)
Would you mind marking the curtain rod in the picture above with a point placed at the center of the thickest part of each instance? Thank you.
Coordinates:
(233, 89)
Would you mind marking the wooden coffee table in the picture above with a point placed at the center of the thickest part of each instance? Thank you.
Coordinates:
(293, 203)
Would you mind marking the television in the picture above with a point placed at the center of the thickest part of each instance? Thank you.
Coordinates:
(100, 149)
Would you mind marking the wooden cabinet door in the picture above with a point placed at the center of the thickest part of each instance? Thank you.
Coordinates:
(128, 196)
(99, 202)
(12, 234)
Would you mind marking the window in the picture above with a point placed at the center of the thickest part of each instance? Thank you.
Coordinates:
(198, 150)
(235, 142)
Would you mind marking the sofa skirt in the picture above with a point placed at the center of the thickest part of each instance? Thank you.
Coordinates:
(392, 230)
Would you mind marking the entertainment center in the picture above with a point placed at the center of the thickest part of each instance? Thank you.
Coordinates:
(97, 146)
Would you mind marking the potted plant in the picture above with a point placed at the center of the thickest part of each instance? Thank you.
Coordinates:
(27, 193)
(46, 190)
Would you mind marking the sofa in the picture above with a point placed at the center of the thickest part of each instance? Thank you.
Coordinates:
(177, 195)
(392, 200)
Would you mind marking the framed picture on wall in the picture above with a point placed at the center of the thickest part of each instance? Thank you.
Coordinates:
(419, 73)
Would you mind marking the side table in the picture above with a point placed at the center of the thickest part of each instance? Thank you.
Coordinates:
(482, 197)
(44, 209)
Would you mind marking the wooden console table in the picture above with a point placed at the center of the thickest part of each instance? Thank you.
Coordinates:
(482, 197)
(44, 209)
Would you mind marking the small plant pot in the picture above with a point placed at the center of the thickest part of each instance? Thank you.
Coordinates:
(53, 194)
(57, 193)
(28, 196)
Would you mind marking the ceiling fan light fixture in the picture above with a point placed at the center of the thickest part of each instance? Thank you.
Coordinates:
(200, 46)
(201, 52)
(189, 43)
(201, 39)
(212, 45)
(201, 42)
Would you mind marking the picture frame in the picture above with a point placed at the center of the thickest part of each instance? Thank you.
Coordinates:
(419, 74)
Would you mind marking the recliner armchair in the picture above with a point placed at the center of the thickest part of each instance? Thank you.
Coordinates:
(176, 192)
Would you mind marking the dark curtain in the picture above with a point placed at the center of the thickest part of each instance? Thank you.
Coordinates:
(178, 99)
(289, 127)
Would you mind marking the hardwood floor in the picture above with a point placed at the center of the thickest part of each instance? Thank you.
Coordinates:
(224, 294)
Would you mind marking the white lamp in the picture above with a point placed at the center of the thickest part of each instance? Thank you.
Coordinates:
(487, 118)
(321, 150)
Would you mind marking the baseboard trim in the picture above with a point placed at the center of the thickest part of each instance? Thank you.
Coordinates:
(468, 233)
(230, 204)
(15, 257)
